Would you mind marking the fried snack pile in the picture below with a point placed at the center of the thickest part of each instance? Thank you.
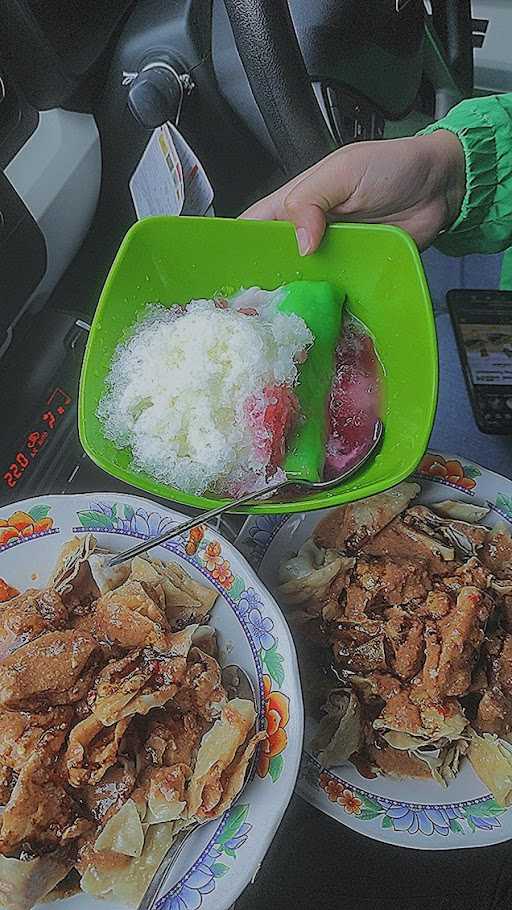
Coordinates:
(413, 606)
(115, 728)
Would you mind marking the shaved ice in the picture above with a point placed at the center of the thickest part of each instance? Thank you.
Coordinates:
(203, 394)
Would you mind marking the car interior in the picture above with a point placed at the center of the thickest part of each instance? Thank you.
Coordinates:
(260, 90)
(269, 90)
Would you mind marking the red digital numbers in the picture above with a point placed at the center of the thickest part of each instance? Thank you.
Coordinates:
(49, 418)
(35, 440)
(32, 440)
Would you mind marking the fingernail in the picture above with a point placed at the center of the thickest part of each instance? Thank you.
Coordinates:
(303, 241)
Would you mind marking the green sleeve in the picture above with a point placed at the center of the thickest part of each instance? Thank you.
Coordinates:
(484, 127)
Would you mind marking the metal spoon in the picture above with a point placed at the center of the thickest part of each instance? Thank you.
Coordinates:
(308, 485)
(237, 685)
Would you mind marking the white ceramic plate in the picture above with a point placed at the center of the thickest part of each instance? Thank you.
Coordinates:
(410, 813)
(222, 857)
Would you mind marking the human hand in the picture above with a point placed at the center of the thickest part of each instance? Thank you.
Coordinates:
(417, 184)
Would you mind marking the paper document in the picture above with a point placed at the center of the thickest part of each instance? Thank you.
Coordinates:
(170, 179)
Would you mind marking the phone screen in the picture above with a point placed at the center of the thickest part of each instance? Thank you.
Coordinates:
(483, 327)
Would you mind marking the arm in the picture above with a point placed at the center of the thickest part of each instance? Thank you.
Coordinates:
(452, 182)
(417, 184)
(484, 128)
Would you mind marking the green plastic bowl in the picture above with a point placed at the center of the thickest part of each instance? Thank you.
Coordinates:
(173, 260)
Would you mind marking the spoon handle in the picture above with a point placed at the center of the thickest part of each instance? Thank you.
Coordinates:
(193, 522)
(249, 497)
(165, 866)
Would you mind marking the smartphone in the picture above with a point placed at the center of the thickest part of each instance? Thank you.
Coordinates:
(482, 321)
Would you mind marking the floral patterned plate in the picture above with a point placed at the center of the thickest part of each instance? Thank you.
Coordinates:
(412, 813)
(223, 856)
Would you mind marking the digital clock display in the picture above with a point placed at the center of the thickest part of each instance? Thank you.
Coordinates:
(56, 406)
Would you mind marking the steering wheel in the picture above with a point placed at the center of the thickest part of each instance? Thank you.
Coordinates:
(272, 59)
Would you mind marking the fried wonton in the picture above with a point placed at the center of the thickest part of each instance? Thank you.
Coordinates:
(307, 576)
(492, 761)
(127, 881)
(417, 629)
(92, 749)
(23, 732)
(186, 600)
(28, 616)
(123, 833)
(135, 684)
(129, 616)
(40, 814)
(57, 668)
(23, 883)
(217, 751)
(340, 731)
(113, 718)
(347, 528)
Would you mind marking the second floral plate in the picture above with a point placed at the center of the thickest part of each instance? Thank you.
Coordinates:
(410, 813)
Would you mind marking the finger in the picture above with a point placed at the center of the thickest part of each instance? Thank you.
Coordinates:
(309, 221)
(307, 199)
(326, 186)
